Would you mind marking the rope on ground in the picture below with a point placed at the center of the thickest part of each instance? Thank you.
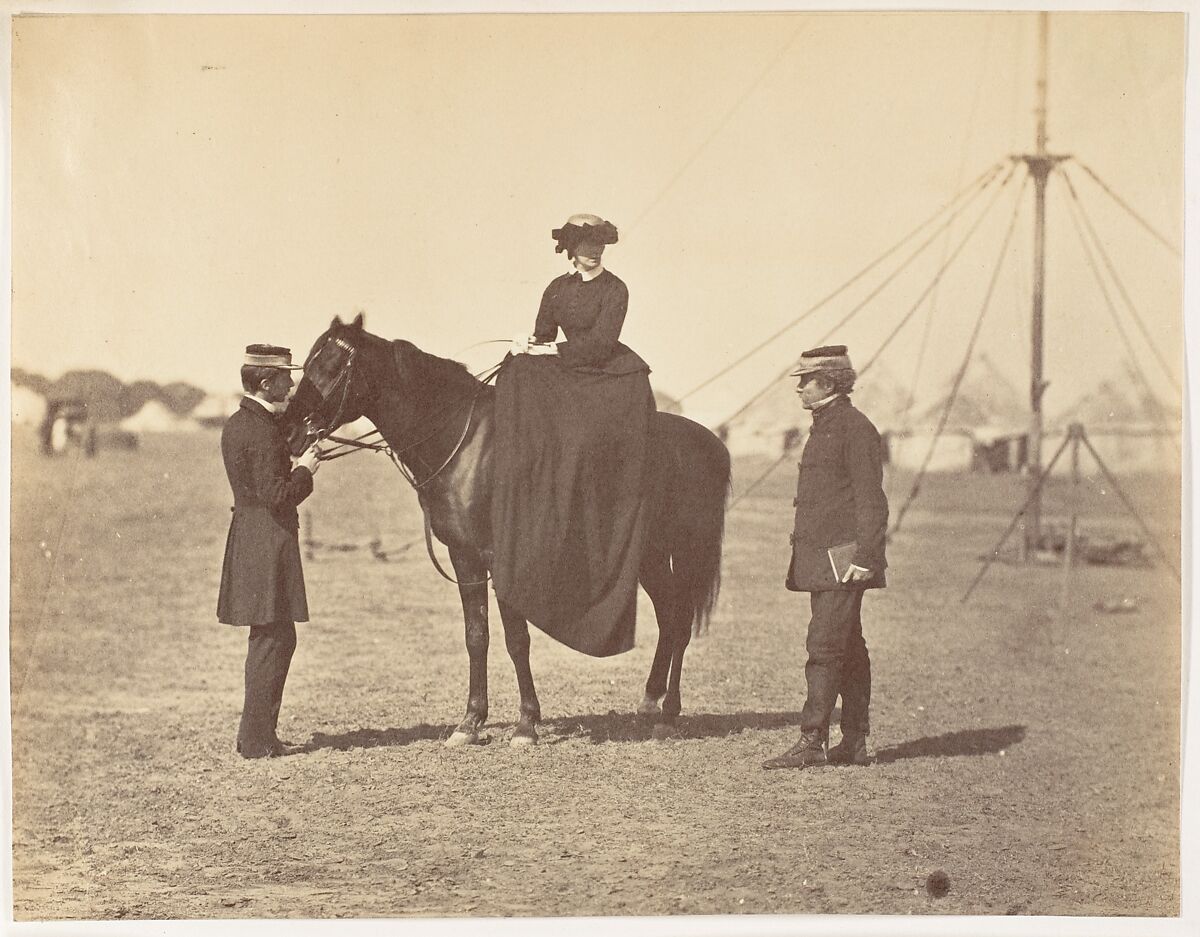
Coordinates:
(962, 371)
(980, 183)
(1136, 217)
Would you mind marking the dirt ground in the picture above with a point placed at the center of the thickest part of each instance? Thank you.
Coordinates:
(1028, 745)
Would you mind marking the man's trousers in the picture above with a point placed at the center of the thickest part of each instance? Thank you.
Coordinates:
(268, 657)
(838, 663)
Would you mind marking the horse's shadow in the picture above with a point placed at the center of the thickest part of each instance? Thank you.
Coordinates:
(613, 727)
(631, 727)
(378, 738)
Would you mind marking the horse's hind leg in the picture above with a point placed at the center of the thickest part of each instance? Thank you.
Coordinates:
(655, 576)
(472, 576)
(680, 628)
(516, 639)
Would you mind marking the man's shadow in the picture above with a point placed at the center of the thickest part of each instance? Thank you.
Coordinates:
(960, 742)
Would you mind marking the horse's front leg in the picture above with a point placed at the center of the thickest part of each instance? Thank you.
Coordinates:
(472, 578)
(516, 639)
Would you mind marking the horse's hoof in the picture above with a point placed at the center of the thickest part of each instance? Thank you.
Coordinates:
(662, 731)
(649, 707)
(522, 740)
(458, 738)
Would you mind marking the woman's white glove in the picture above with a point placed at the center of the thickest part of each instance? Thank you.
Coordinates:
(525, 345)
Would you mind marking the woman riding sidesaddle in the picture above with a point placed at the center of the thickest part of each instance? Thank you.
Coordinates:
(573, 421)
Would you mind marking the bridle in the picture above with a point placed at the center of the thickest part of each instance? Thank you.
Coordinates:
(346, 446)
(345, 372)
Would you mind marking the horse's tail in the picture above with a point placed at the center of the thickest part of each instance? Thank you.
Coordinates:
(696, 555)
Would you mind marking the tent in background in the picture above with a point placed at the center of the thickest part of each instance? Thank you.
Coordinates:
(1130, 436)
(777, 421)
(28, 407)
(215, 409)
(156, 417)
(985, 428)
(769, 425)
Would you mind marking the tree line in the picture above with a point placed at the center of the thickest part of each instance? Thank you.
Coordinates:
(109, 399)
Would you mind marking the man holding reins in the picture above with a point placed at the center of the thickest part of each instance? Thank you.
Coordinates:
(262, 582)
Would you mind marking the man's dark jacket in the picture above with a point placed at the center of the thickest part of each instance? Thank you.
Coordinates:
(839, 499)
(261, 579)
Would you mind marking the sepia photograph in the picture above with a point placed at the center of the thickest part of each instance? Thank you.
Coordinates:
(679, 470)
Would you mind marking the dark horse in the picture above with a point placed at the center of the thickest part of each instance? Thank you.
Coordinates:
(437, 419)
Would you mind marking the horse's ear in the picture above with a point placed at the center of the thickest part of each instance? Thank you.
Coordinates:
(336, 323)
(358, 321)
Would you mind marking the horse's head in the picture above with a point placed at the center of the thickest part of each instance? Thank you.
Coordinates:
(332, 388)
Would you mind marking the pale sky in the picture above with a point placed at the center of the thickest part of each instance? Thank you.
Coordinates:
(186, 185)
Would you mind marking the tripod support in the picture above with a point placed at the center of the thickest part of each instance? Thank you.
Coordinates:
(1076, 437)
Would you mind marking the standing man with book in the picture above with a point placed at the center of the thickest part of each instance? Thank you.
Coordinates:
(837, 554)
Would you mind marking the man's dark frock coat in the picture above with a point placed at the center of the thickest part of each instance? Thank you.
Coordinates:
(261, 579)
(839, 500)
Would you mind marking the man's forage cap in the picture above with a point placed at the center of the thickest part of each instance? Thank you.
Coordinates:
(583, 227)
(270, 356)
(825, 358)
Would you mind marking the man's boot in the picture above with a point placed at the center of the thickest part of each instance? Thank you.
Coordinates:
(809, 752)
(851, 750)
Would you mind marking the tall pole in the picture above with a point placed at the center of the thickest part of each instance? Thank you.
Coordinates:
(1040, 164)
(1040, 169)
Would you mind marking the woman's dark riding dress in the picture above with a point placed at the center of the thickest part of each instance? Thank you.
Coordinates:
(572, 470)
(590, 313)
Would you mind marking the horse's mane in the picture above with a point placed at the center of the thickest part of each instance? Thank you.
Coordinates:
(429, 371)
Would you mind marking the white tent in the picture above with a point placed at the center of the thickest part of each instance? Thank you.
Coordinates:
(1124, 451)
(776, 420)
(156, 417)
(952, 452)
(882, 397)
(28, 406)
(986, 409)
(1141, 437)
(768, 425)
(215, 409)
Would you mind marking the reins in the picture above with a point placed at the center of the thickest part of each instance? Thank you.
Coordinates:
(347, 446)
